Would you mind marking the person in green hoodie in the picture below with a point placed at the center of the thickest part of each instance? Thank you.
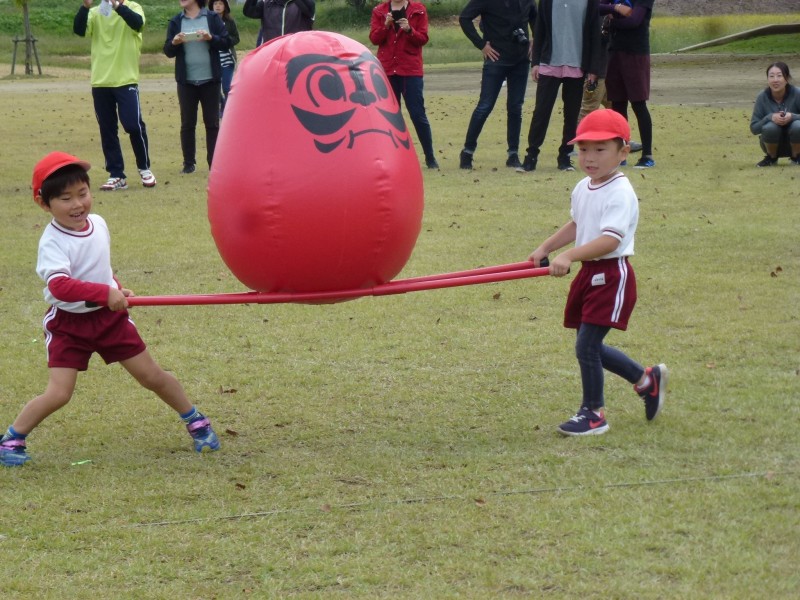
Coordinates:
(115, 29)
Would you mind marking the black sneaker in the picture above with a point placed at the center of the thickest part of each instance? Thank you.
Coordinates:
(795, 160)
(513, 161)
(653, 394)
(528, 165)
(585, 423)
(565, 165)
(188, 169)
(465, 160)
(768, 161)
(635, 146)
(431, 163)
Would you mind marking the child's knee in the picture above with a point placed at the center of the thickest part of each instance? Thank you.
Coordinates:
(156, 380)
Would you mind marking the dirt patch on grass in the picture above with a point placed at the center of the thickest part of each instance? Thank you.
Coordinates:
(691, 80)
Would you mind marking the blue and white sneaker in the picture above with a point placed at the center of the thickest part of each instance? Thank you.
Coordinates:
(646, 162)
(586, 422)
(203, 435)
(12, 453)
(653, 395)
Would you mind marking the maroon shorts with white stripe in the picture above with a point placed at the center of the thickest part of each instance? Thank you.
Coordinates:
(71, 338)
(603, 293)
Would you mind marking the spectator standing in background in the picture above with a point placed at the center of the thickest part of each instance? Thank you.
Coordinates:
(115, 29)
(195, 37)
(400, 29)
(566, 49)
(628, 75)
(279, 17)
(505, 45)
(227, 58)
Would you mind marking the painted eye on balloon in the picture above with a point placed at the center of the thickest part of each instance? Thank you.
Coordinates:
(336, 100)
(324, 81)
(379, 81)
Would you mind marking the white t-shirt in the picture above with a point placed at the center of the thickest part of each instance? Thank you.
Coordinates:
(610, 208)
(84, 255)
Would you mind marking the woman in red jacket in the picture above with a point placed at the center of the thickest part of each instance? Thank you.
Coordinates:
(400, 30)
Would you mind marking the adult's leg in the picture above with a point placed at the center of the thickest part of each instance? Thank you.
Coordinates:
(591, 100)
(130, 115)
(645, 126)
(631, 83)
(105, 110)
(517, 84)
(227, 78)
(571, 94)
(771, 138)
(491, 83)
(209, 101)
(621, 108)
(546, 94)
(188, 97)
(415, 104)
(794, 138)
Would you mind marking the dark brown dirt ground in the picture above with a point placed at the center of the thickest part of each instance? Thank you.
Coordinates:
(709, 80)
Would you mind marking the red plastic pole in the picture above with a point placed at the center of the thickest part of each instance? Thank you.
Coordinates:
(402, 286)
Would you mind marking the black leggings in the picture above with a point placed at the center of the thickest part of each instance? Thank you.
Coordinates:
(644, 120)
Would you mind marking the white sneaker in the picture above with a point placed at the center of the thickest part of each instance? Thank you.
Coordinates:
(148, 179)
(114, 183)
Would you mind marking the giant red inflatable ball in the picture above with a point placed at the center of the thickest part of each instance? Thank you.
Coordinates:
(315, 185)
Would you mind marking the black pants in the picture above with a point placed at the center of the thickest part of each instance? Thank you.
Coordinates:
(546, 94)
(123, 103)
(189, 96)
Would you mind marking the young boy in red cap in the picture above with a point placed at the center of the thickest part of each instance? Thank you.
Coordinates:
(604, 214)
(87, 311)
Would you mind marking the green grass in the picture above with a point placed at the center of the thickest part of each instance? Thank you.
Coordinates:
(404, 447)
(51, 21)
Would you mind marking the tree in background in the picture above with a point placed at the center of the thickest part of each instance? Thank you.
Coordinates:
(29, 49)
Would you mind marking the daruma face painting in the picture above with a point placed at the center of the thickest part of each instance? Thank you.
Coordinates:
(315, 184)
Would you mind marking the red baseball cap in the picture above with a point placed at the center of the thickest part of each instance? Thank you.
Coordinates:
(603, 124)
(52, 163)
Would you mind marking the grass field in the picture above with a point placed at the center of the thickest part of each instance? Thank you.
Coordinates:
(404, 447)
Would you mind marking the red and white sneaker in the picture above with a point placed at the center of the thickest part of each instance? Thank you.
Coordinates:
(148, 179)
(653, 395)
(586, 422)
(114, 183)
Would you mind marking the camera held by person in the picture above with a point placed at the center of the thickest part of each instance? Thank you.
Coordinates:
(520, 36)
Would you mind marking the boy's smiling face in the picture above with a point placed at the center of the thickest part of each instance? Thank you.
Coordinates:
(600, 160)
(71, 207)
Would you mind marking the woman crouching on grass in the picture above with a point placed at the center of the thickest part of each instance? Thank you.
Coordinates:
(776, 117)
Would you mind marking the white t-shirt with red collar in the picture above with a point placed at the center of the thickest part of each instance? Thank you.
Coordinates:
(610, 208)
(84, 258)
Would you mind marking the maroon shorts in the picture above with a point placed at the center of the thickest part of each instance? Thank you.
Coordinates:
(603, 293)
(628, 77)
(71, 338)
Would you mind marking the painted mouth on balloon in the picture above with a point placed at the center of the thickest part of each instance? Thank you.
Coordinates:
(326, 148)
